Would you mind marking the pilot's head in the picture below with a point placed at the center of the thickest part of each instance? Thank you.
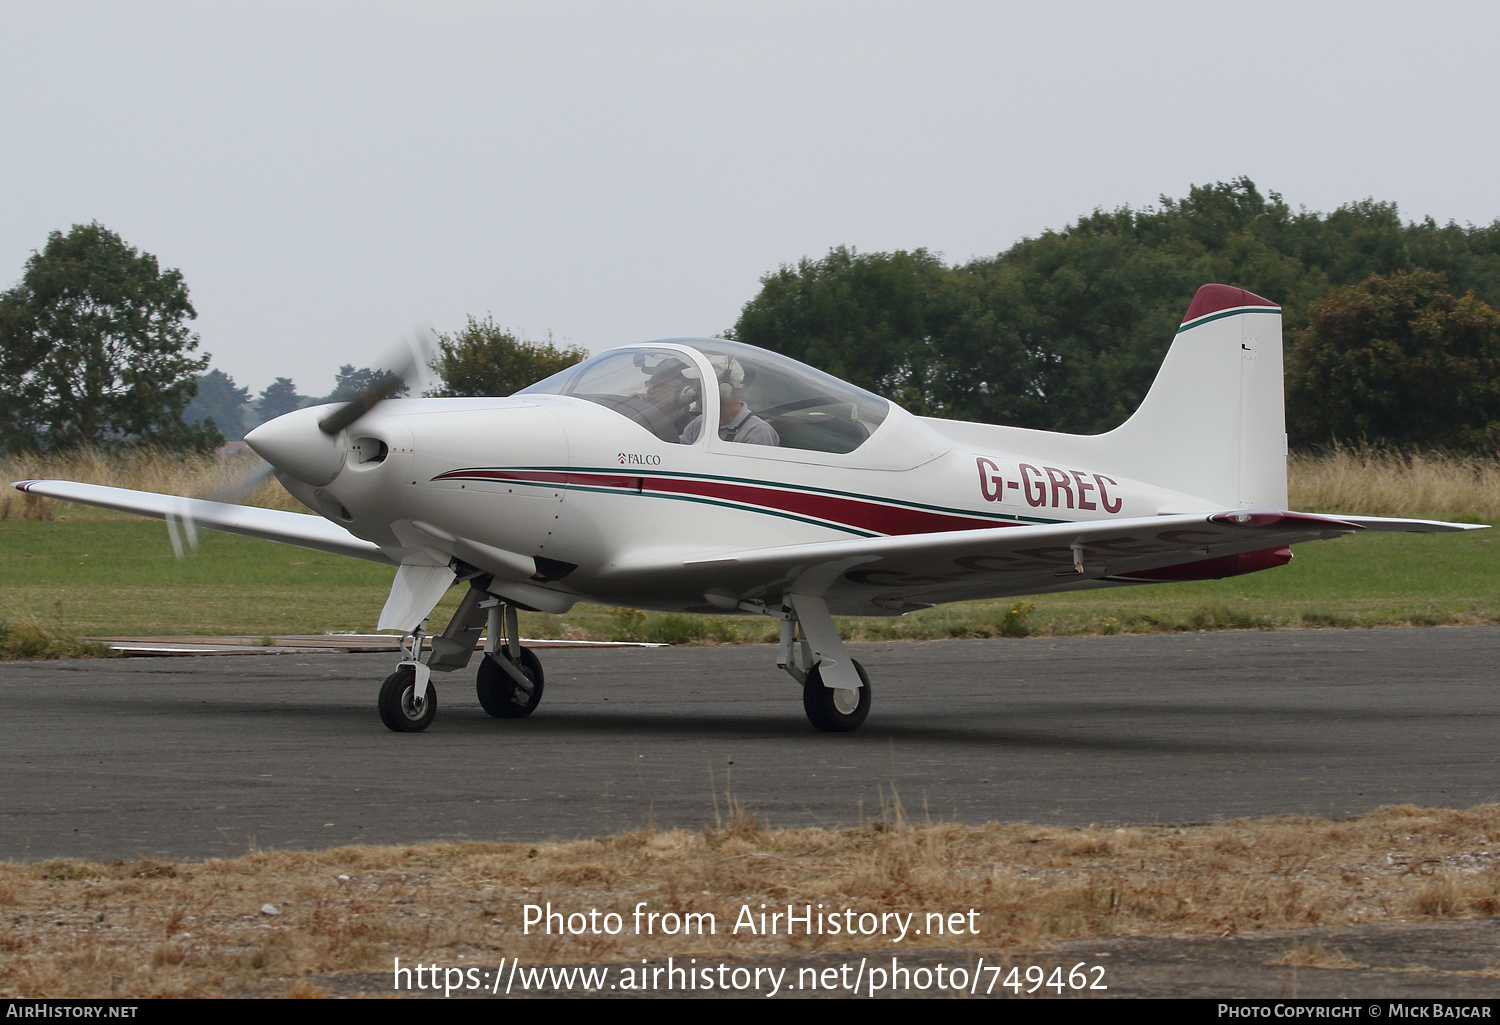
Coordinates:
(668, 389)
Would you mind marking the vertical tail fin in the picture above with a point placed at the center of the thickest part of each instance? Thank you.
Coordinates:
(1213, 424)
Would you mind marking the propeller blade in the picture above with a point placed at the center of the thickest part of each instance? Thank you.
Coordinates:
(349, 412)
(406, 368)
(182, 526)
(244, 482)
(326, 459)
(175, 536)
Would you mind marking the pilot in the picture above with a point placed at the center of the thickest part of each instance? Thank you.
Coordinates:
(672, 393)
(736, 421)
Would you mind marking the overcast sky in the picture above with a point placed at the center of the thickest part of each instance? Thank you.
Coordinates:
(328, 175)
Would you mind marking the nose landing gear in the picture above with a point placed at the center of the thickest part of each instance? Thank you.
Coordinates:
(509, 686)
(401, 708)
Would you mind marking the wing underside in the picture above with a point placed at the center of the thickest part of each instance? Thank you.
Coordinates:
(888, 575)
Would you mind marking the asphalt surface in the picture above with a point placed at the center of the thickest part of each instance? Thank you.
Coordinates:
(212, 756)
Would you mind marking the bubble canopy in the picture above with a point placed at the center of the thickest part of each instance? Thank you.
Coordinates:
(659, 385)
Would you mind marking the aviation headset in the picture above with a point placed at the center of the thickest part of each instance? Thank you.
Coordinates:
(728, 370)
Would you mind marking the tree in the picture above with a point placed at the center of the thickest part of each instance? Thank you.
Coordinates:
(486, 359)
(220, 403)
(1400, 361)
(95, 348)
(351, 382)
(870, 318)
(279, 397)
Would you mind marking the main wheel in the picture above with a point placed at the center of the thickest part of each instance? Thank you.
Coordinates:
(833, 710)
(500, 695)
(399, 708)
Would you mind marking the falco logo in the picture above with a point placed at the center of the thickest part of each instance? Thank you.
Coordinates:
(636, 459)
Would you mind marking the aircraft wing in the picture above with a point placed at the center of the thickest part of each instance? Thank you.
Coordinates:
(272, 525)
(885, 575)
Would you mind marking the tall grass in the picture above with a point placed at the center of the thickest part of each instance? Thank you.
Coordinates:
(1375, 482)
(150, 469)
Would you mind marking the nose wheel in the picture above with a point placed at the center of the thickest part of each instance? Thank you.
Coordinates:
(408, 700)
(401, 708)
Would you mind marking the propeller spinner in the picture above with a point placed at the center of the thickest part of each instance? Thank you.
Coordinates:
(309, 445)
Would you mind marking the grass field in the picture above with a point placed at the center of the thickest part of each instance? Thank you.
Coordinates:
(180, 929)
(69, 571)
(106, 577)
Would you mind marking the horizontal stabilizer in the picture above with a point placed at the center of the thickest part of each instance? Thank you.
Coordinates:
(1387, 525)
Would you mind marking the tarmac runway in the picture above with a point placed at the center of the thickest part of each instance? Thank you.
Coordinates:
(195, 757)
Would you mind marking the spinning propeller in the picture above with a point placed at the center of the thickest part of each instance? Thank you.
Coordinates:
(284, 445)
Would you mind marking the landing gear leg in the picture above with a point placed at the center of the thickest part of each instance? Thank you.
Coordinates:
(835, 688)
(408, 701)
(510, 677)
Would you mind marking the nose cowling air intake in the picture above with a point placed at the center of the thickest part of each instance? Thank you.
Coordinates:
(297, 446)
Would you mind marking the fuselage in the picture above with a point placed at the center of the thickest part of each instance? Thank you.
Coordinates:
(588, 485)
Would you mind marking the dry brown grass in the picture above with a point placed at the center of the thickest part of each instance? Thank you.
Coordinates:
(1310, 953)
(151, 928)
(169, 473)
(1426, 485)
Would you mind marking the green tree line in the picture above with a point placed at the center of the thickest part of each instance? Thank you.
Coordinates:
(1392, 338)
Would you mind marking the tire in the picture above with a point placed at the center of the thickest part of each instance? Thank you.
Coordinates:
(499, 694)
(397, 709)
(821, 703)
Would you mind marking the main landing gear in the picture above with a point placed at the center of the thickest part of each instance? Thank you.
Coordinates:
(506, 693)
(509, 685)
(834, 709)
(835, 688)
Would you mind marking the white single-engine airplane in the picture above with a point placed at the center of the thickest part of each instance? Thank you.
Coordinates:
(814, 498)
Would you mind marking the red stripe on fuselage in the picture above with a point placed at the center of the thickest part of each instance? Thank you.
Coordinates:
(520, 476)
(852, 512)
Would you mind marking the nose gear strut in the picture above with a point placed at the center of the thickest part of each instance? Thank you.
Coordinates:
(510, 678)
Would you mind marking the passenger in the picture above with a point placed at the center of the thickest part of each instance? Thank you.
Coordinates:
(736, 421)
